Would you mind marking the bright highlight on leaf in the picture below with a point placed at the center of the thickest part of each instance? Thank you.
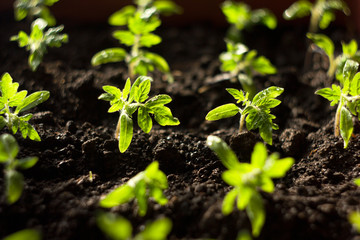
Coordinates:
(34, 9)
(246, 178)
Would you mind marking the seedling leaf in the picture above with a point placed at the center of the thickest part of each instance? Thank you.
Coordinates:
(108, 55)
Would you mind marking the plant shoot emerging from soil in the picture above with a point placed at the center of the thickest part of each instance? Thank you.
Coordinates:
(119, 228)
(141, 23)
(38, 41)
(14, 180)
(242, 64)
(133, 98)
(321, 12)
(347, 97)
(247, 178)
(146, 184)
(34, 8)
(336, 64)
(11, 98)
(256, 112)
(241, 17)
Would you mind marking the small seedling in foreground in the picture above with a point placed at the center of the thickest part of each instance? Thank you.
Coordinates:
(38, 41)
(141, 22)
(242, 64)
(255, 113)
(133, 98)
(336, 64)
(26, 234)
(246, 178)
(241, 17)
(14, 180)
(322, 12)
(354, 217)
(146, 184)
(11, 98)
(347, 97)
(34, 8)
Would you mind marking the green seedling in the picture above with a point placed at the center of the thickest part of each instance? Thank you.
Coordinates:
(34, 9)
(248, 178)
(146, 184)
(322, 12)
(354, 217)
(141, 22)
(133, 98)
(347, 97)
(38, 41)
(336, 63)
(14, 180)
(119, 228)
(11, 98)
(256, 112)
(241, 17)
(242, 64)
(26, 234)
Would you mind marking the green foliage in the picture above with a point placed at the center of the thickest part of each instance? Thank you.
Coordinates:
(146, 184)
(38, 41)
(11, 98)
(133, 98)
(34, 8)
(246, 178)
(243, 64)
(347, 97)
(336, 64)
(354, 219)
(14, 180)
(256, 112)
(119, 228)
(141, 21)
(26, 234)
(241, 17)
(322, 12)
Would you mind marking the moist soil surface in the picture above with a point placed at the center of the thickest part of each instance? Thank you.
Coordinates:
(311, 202)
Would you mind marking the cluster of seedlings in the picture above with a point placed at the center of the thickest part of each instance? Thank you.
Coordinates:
(140, 21)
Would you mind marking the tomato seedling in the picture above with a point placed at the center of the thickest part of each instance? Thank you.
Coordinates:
(119, 228)
(34, 8)
(141, 22)
(256, 112)
(145, 184)
(14, 180)
(347, 97)
(133, 98)
(11, 98)
(246, 178)
(321, 12)
(38, 41)
(25, 234)
(243, 63)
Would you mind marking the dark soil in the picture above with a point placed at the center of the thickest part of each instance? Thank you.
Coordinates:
(311, 202)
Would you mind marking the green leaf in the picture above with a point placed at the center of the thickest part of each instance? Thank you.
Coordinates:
(149, 40)
(298, 9)
(244, 197)
(144, 120)
(28, 130)
(158, 100)
(346, 125)
(158, 61)
(263, 66)
(120, 195)
(126, 132)
(266, 184)
(27, 162)
(268, 93)
(114, 91)
(32, 100)
(357, 181)
(125, 37)
(141, 197)
(35, 59)
(277, 168)
(232, 177)
(117, 228)
(224, 111)
(349, 49)
(157, 230)
(26, 234)
(237, 94)
(326, 18)
(108, 55)
(229, 202)
(167, 7)
(323, 42)
(256, 213)
(265, 17)
(121, 17)
(259, 155)
(14, 182)
(164, 117)
(18, 98)
(7, 87)
(144, 89)
(137, 25)
(126, 89)
(350, 69)
(332, 95)
(258, 118)
(243, 235)
(22, 38)
(354, 219)
(116, 106)
(223, 152)
(9, 148)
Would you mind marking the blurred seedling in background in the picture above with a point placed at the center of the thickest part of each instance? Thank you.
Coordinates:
(25, 234)
(248, 178)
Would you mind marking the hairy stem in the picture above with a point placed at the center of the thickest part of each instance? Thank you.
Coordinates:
(242, 121)
(337, 118)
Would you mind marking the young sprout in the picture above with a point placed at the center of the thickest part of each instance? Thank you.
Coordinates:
(133, 98)
(119, 228)
(322, 12)
(146, 184)
(11, 98)
(241, 17)
(336, 64)
(248, 178)
(34, 8)
(347, 97)
(242, 64)
(14, 180)
(141, 23)
(25, 234)
(38, 41)
(256, 112)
